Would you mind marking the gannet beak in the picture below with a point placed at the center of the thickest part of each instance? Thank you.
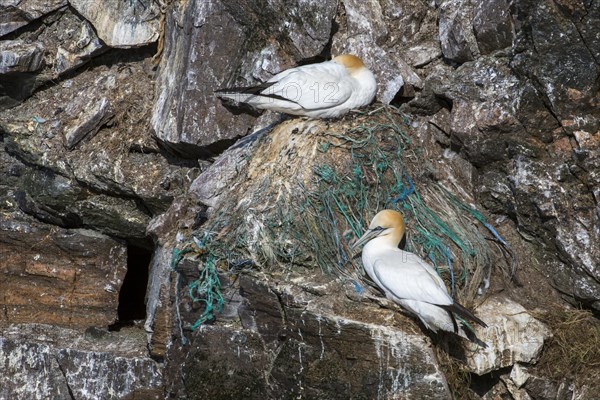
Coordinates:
(369, 234)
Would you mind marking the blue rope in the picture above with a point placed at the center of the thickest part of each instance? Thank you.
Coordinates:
(406, 191)
(448, 255)
(494, 232)
(359, 289)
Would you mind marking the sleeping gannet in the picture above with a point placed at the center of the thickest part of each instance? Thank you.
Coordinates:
(408, 280)
(325, 90)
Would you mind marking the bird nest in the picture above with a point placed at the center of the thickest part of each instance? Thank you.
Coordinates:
(309, 190)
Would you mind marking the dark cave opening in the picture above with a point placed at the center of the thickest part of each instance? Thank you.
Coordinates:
(132, 296)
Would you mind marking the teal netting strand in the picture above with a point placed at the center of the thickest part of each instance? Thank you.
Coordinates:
(206, 289)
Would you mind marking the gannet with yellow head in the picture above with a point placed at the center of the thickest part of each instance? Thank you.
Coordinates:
(408, 280)
(324, 90)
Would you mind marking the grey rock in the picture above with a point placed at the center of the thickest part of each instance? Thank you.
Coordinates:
(525, 383)
(19, 64)
(120, 161)
(568, 79)
(211, 359)
(589, 27)
(513, 336)
(575, 283)
(49, 197)
(409, 22)
(214, 182)
(113, 216)
(17, 13)
(432, 97)
(159, 303)
(207, 188)
(543, 191)
(308, 26)
(306, 350)
(73, 53)
(62, 201)
(46, 365)
(519, 375)
(12, 171)
(366, 18)
(493, 26)
(66, 40)
(542, 388)
(422, 54)
(122, 24)
(456, 32)
(34, 373)
(111, 376)
(127, 342)
(187, 117)
(95, 114)
(69, 41)
(298, 36)
(515, 392)
(552, 203)
(366, 36)
(18, 56)
(479, 91)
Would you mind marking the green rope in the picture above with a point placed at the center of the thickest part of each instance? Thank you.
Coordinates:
(207, 290)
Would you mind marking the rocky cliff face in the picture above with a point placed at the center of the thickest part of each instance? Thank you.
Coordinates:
(155, 243)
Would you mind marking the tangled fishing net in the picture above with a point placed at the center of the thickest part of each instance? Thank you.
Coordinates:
(315, 194)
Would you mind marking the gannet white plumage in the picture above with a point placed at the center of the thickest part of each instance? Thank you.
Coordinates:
(325, 90)
(408, 280)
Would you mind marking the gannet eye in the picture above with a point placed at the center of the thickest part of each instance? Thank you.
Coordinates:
(377, 229)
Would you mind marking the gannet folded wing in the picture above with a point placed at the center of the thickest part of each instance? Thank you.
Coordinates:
(407, 276)
(401, 274)
(324, 90)
(307, 88)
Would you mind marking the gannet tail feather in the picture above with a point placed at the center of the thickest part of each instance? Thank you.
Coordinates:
(463, 312)
(454, 324)
(245, 89)
(245, 94)
(470, 334)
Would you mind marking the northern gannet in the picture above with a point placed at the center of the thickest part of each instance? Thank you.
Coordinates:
(325, 90)
(408, 280)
